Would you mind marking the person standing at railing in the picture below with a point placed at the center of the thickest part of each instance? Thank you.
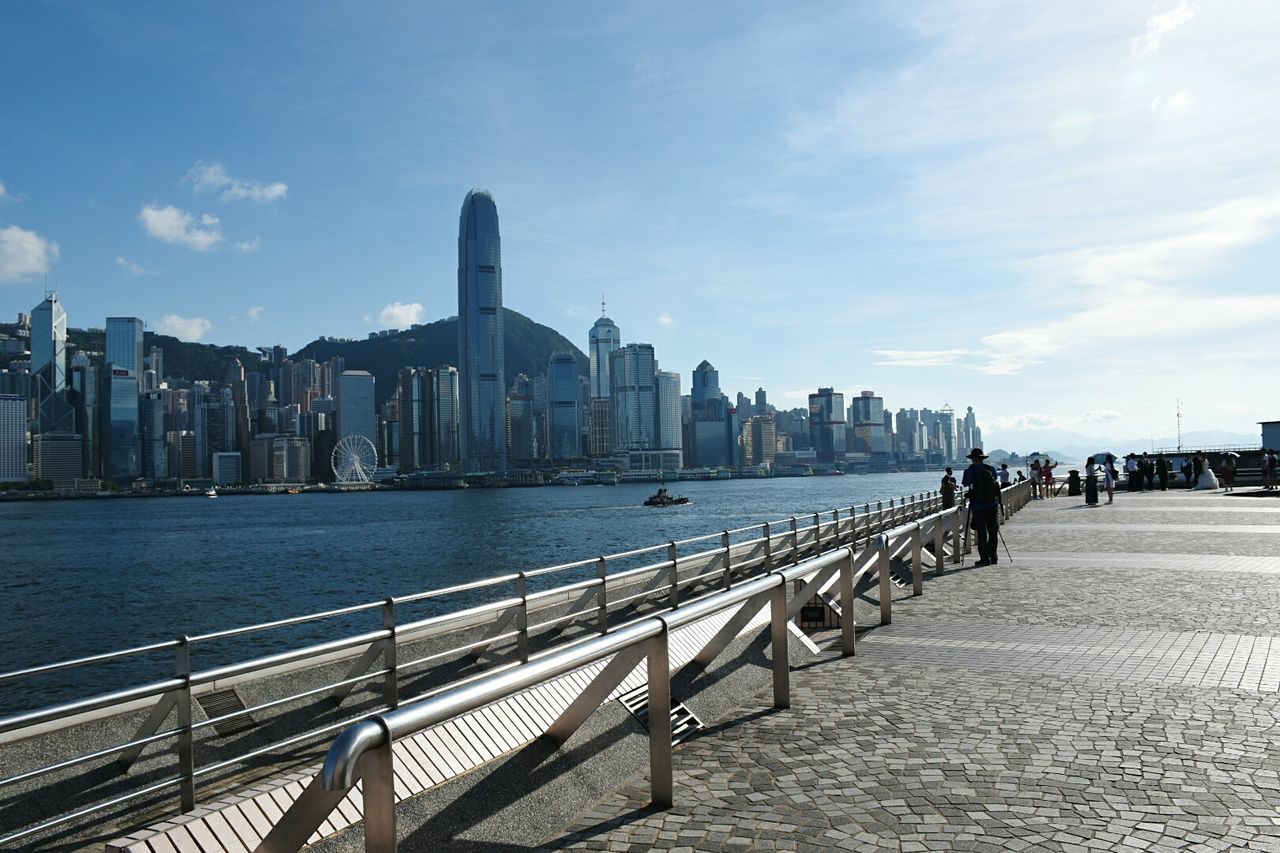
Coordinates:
(1162, 472)
(1046, 471)
(948, 489)
(1037, 480)
(982, 491)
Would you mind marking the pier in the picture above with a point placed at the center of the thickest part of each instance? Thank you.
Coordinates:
(1112, 686)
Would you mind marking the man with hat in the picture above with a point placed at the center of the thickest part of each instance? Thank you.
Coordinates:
(983, 495)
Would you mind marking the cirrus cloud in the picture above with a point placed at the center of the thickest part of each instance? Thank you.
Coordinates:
(173, 225)
(183, 328)
(24, 253)
(401, 314)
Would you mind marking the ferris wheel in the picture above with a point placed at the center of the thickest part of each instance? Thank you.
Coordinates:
(354, 459)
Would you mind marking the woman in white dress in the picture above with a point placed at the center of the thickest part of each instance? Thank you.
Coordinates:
(1207, 478)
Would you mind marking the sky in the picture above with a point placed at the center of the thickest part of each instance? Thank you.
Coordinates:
(1062, 214)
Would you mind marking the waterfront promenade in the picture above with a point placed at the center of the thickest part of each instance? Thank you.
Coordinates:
(1113, 687)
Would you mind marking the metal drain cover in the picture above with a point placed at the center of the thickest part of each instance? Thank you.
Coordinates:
(219, 703)
(683, 721)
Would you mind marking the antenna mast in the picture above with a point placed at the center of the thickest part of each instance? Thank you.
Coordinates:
(1179, 426)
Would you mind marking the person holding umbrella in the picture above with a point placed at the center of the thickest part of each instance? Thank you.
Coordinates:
(1229, 471)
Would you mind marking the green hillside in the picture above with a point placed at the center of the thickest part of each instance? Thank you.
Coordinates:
(529, 346)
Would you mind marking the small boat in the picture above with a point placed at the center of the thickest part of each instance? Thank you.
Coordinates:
(211, 492)
(663, 498)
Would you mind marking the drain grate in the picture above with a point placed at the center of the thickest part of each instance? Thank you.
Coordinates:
(683, 722)
(220, 703)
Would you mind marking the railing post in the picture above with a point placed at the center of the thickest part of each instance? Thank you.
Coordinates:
(879, 516)
(602, 599)
(377, 773)
(781, 662)
(917, 561)
(938, 557)
(186, 738)
(817, 533)
(728, 555)
(893, 515)
(675, 575)
(768, 546)
(390, 681)
(522, 617)
(956, 523)
(795, 541)
(660, 769)
(848, 633)
(882, 566)
(835, 522)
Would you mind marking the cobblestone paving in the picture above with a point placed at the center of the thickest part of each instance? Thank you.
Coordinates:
(1090, 701)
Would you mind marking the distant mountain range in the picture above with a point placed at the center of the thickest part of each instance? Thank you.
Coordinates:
(529, 346)
(1063, 444)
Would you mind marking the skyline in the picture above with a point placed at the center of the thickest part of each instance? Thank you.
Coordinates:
(241, 177)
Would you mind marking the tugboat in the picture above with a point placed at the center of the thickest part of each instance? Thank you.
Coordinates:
(662, 498)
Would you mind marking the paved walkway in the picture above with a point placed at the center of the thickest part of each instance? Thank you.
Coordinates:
(1114, 686)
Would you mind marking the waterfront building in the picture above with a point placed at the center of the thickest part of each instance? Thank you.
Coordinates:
(412, 388)
(446, 427)
(183, 454)
(226, 468)
(124, 346)
(760, 442)
(827, 425)
(600, 442)
(13, 438)
(83, 394)
(711, 444)
(633, 374)
(564, 407)
(356, 412)
(155, 460)
(49, 366)
(669, 420)
(866, 417)
(706, 393)
(605, 337)
(57, 457)
(122, 455)
(481, 351)
(521, 441)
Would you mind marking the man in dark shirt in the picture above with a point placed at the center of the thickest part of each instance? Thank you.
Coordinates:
(983, 494)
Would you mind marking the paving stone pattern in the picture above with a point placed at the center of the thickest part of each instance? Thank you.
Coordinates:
(1014, 707)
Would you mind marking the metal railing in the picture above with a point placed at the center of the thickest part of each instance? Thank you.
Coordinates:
(441, 652)
(363, 753)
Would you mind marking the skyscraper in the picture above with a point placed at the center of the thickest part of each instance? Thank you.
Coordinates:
(604, 339)
(124, 345)
(706, 392)
(357, 414)
(13, 438)
(481, 380)
(827, 425)
(633, 375)
(49, 366)
(669, 422)
(564, 407)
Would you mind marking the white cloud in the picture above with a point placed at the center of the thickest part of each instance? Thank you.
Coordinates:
(1161, 25)
(183, 328)
(133, 268)
(172, 225)
(664, 319)
(254, 313)
(211, 177)
(24, 253)
(400, 315)
(247, 246)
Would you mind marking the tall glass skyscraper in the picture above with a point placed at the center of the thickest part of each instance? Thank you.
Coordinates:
(633, 371)
(124, 345)
(564, 407)
(482, 384)
(49, 366)
(605, 338)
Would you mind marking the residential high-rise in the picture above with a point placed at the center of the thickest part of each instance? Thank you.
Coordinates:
(633, 378)
(604, 339)
(669, 420)
(564, 407)
(481, 379)
(49, 366)
(827, 425)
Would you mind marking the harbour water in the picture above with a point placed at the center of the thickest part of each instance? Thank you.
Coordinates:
(83, 577)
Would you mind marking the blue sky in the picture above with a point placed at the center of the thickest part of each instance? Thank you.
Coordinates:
(1063, 215)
